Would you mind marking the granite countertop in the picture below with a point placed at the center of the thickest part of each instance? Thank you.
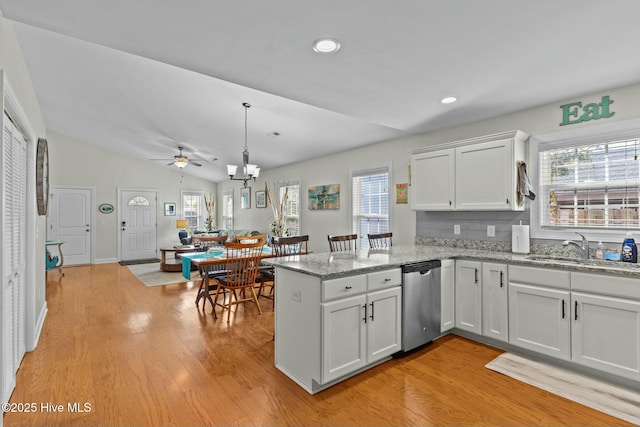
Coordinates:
(327, 265)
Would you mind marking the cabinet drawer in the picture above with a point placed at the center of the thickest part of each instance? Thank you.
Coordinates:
(540, 276)
(344, 287)
(384, 279)
(626, 287)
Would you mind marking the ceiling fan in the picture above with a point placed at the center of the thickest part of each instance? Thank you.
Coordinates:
(180, 160)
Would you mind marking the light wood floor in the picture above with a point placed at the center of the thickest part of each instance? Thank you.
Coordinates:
(146, 356)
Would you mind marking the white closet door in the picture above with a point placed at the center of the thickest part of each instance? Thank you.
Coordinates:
(13, 271)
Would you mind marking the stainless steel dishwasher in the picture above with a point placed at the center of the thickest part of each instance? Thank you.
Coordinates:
(420, 303)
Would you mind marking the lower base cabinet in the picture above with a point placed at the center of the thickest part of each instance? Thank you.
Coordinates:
(360, 330)
(328, 330)
(539, 310)
(605, 323)
(447, 295)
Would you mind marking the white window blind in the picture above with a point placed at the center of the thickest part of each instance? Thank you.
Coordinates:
(227, 210)
(193, 209)
(594, 185)
(370, 203)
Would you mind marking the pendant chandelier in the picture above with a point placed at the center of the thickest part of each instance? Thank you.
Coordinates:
(249, 171)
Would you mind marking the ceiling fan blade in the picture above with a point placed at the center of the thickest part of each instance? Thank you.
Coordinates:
(169, 164)
(194, 163)
(161, 159)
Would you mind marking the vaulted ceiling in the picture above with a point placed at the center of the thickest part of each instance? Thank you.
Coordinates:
(145, 77)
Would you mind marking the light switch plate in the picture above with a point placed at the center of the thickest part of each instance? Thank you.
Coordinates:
(491, 231)
(456, 229)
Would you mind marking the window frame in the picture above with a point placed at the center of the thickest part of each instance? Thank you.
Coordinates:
(363, 242)
(290, 183)
(203, 211)
(578, 137)
(227, 193)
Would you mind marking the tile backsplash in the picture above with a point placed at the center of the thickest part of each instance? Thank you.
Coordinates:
(473, 225)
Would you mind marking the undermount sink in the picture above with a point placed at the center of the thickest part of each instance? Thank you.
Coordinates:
(571, 260)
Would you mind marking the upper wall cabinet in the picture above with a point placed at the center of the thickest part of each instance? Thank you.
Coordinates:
(473, 174)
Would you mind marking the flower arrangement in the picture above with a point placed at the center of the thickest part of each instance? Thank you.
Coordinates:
(209, 205)
(278, 226)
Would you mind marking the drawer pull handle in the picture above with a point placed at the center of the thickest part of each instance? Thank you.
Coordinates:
(563, 312)
(365, 313)
(348, 287)
(501, 279)
(476, 275)
(387, 280)
(576, 311)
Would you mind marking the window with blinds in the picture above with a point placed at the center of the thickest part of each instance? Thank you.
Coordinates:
(370, 203)
(292, 206)
(227, 210)
(193, 209)
(593, 185)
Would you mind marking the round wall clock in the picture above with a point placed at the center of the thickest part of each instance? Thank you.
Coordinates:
(42, 176)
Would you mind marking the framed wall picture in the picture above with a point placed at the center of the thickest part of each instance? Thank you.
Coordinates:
(245, 198)
(324, 197)
(261, 199)
(169, 209)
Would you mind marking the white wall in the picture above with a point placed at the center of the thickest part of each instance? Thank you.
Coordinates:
(334, 169)
(76, 163)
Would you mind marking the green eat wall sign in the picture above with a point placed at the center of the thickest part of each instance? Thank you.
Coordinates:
(574, 112)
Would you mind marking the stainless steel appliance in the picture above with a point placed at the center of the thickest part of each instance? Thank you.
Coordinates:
(420, 303)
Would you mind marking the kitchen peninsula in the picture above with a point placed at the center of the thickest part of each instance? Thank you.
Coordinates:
(325, 330)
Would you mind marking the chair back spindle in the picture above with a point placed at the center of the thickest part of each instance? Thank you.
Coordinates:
(344, 243)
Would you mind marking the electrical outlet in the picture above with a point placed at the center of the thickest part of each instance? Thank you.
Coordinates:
(456, 229)
(491, 231)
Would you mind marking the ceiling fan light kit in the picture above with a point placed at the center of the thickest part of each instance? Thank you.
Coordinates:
(249, 170)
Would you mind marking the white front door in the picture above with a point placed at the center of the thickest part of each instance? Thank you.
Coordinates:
(138, 224)
(69, 220)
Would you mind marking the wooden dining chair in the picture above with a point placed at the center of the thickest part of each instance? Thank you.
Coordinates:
(380, 240)
(348, 242)
(280, 246)
(242, 269)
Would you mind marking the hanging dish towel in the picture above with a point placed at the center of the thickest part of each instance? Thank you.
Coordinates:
(525, 189)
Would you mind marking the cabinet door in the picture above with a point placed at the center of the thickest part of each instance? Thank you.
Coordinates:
(343, 337)
(432, 180)
(495, 316)
(447, 295)
(384, 322)
(606, 334)
(469, 296)
(484, 176)
(539, 319)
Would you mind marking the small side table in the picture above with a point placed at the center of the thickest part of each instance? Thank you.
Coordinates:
(172, 263)
(54, 261)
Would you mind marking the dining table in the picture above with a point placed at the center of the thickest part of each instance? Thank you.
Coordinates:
(208, 263)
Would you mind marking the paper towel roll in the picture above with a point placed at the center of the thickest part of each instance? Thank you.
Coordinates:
(520, 239)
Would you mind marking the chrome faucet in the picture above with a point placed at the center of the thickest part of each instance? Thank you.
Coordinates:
(584, 247)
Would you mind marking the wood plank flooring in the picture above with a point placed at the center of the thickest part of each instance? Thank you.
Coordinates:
(146, 356)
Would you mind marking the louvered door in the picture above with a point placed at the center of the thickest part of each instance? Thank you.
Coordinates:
(13, 214)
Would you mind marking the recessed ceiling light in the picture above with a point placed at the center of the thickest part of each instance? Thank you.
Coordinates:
(448, 100)
(326, 45)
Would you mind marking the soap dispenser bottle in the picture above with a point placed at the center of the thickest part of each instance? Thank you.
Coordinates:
(629, 249)
(600, 251)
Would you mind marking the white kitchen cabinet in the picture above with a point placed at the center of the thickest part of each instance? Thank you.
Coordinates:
(469, 175)
(432, 180)
(468, 296)
(495, 313)
(486, 176)
(343, 337)
(321, 334)
(540, 310)
(384, 323)
(447, 295)
(605, 329)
